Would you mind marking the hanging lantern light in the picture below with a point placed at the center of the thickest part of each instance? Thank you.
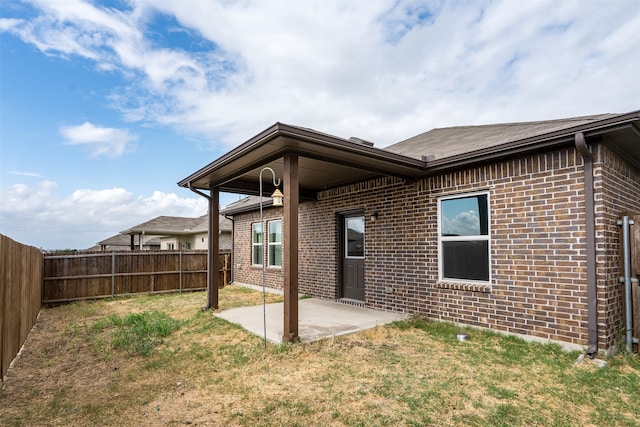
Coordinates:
(277, 197)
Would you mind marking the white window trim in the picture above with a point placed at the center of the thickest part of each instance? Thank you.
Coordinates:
(254, 244)
(442, 238)
(270, 244)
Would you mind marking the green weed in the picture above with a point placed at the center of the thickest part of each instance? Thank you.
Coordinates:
(138, 333)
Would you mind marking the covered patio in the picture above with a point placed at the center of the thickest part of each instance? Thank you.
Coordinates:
(307, 162)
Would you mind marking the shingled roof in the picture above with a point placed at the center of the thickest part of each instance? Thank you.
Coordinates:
(174, 225)
(246, 204)
(165, 225)
(123, 242)
(442, 143)
(203, 227)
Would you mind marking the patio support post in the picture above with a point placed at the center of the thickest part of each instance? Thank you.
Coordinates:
(213, 258)
(291, 201)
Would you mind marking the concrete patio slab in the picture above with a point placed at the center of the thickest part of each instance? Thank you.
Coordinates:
(317, 319)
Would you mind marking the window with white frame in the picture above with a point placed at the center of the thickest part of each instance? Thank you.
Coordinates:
(256, 244)
(275, 243)
(464, 237)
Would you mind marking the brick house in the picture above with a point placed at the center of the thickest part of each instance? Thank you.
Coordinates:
(511, 227)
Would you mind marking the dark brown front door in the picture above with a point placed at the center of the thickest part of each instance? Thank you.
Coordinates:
(352, 244)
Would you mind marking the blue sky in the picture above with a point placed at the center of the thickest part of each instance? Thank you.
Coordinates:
(104, 106)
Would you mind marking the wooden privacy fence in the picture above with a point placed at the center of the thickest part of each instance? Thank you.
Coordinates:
(20, 296)
(99, 275)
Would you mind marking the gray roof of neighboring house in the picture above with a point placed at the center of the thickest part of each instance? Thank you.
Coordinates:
(165, 225)
(175, 225)
(125, 240)
(162, 226)
(203, 226)
(453, 141)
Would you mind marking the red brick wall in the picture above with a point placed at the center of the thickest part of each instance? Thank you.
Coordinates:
(617, 188)
(538, 254)
(243, 270)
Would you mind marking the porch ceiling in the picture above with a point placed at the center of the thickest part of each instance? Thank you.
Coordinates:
(325, 161)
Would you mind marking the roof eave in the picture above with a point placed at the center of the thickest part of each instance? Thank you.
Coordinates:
(247, 208)
(293, 140)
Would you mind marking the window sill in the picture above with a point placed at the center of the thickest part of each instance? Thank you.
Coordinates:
(268, 268)
(459, 286)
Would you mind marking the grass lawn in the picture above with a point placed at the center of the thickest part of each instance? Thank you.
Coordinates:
(160, 360)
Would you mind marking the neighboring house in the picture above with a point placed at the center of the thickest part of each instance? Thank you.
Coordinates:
(167, 233)
(179, 233)
(121, 242)
(197, 237)
(512, 227)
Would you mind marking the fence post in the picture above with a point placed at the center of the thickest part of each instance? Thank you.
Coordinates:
(180, 274)
(226, 269)
(113, 274)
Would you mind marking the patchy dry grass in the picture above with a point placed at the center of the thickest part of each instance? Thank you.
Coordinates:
(210, 372)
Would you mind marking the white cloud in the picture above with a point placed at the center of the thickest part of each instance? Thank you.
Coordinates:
(7, 24)
(21, 198)
(30, 174)
(38, 215)
(382, 70)
(110, 142)
(463, 224)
